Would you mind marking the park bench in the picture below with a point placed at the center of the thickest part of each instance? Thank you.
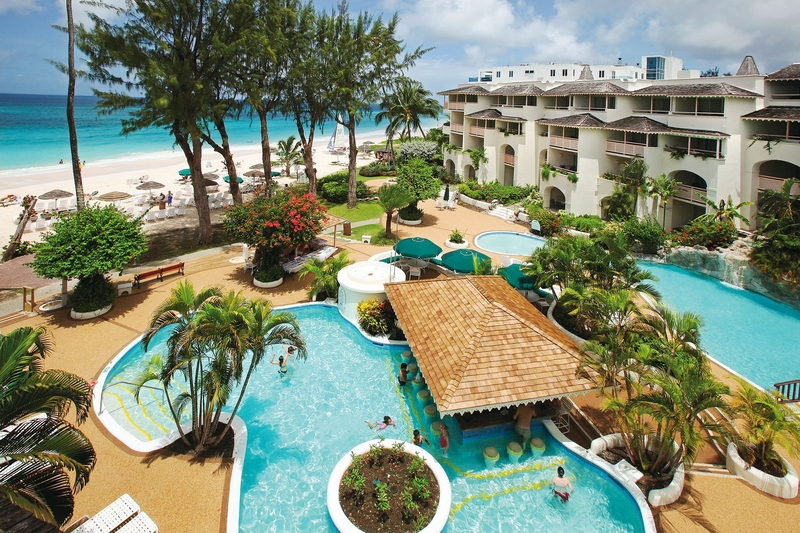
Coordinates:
(157, 273)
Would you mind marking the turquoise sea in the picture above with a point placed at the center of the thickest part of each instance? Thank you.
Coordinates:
(34, 135)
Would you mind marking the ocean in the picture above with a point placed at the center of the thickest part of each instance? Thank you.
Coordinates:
(34, 135)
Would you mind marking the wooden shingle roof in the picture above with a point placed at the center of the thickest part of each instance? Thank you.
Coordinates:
(696, 90)
(467, 89)
(494, 114)
(481, 345)
(792, 72)
(583, 120)
(748, 67)
(586, 87)
(648, 125)
(775, 112)
(518, 89)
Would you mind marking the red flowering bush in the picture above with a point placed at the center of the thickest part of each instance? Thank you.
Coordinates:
(275, 224)
(706, 232)
(550, 222)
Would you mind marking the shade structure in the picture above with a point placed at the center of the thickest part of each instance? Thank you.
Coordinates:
(149, 185)
(210, 183)
(55, 194)
(446, 196)
(113, 196)
(417, 248)
(462, 261)
(254, 173)
(210, 176)
(185, 172)
(514, 276)
(238, 179)
(258, 166)
(275, 173)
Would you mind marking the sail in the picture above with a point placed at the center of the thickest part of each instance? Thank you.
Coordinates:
(338, 140)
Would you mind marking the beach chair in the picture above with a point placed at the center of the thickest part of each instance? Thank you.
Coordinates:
(505, 261)
(440, 204)
(414, 272)
(45, 205)
(452, 205)
(111, 517)
(141, 523)
(536, 228)
(40, 225)
(170, 212)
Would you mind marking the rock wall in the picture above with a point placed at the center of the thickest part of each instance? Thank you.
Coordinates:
(731, 265)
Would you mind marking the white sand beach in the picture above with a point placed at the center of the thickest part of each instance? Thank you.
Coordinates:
(125, 175)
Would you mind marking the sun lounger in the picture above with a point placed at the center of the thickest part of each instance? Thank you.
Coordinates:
(141, 523)
(110, 517)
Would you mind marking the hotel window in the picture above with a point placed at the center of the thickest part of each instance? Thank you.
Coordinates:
(613, 74)
(564, 72)
(510, 73)
(602, 74)
(529, 72)
(498, 73)
(531, 101)
(553, 72)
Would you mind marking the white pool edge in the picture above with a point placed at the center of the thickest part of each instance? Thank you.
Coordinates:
(641, 502)
(527, 235)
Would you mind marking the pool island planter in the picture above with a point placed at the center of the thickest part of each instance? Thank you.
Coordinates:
(657, 497)
(267, 284)
(457, 245)
(88, 315)
(408, 222)
(579, 341)
(780, 487)
(339, 518)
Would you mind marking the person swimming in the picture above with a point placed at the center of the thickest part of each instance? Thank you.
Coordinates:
(419, 439)
(387, 421)
(562, 483)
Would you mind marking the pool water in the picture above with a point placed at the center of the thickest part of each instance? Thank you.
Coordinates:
(301, 425)
(751, 334)
(508, 242)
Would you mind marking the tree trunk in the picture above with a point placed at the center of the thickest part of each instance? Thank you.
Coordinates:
(308, 153)
(194, 158)
(389, 222)
(266, 155)
(73, 133)
(351, 185)
(225, 151)
(14, 243)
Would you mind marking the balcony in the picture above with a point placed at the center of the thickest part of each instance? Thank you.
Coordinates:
(651, 111)
(454, 106)
(774, 183)
(566, 143)
(508, 159)
(785, 96)
(623, 148)
(691, 195)
(457, 127)
(477, 131)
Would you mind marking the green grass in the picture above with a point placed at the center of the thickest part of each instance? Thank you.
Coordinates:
(362, 211)
(376, 230)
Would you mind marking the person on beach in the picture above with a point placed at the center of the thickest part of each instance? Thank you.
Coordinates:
(418, 439)
(403, 377)
(560, 485)
(169, 199)
(444, 440)
(61, 162)
(387, 421)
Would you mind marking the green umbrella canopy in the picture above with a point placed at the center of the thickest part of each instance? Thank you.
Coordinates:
(461, 261)
(228, 179)
(275, 173)
(514, 276)
(185, 172)
(446, 196)
(417, 248)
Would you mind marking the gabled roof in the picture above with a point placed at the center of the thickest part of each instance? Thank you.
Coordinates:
(774, 112)
(494, 114)
(467, 89)
(696, 89)
(518, 89)
(748, 67)
(792, 72)
(481, 345)
(586, 87)
(584, 120)
(648, 125)
(586, 73)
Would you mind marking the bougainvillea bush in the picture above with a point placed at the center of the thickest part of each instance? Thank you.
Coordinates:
(710, 233)
(277, 224)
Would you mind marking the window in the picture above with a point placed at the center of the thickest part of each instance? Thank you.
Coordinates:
(531, 101)
(655, 67)
(472, 98)
(553, 72)
(602, 74)
(612, 102)
(498, 73)
(529, 72)
(510, 73)
(564, 72)
(613, 74)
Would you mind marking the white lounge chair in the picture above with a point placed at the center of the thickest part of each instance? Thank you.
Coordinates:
(414, 272)
(452, 204)
(536, 228)
(141, 523)
(41, 224)
(170, 212)
(111, 516)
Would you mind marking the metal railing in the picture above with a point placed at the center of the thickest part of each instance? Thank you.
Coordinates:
(790, 390)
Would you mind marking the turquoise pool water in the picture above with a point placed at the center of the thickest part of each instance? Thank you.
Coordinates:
(755, 336)
(300, 426)
(508, 242)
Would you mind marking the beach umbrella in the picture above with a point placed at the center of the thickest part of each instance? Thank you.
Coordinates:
(227, 179)
(417, 248)
(185, 172)
(462, 261)
(149, 186)
(55, 194)
(365, 147)
(210, 176)
(367, 143)
(514, 276)
(259, 166)
(446, 196)
(210, 183)
(113, 196)
(254, 173)
(275, 173)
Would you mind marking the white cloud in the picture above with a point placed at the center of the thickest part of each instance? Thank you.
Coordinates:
(21, 7)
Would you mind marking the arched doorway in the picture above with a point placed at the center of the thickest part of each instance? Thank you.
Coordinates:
(469, 172)
(687, 205)
(450, 167)
(554, 199)
(770, 176)
(506, 172)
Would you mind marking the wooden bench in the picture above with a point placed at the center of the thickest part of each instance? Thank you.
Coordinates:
(157, 273)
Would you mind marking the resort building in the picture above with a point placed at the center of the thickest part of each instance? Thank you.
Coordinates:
(721, 137)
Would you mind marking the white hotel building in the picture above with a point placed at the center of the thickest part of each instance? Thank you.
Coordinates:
(718, 136)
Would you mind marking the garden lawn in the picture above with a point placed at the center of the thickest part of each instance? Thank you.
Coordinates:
(376, 230)
(362, 211)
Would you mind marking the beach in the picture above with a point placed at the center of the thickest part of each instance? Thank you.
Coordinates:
(124, 175)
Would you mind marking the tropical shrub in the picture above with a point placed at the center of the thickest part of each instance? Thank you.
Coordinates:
(426, 150)
(504, 194)
(326, 275)
(411, 212)
(706, 232)
(373, 317)
(378, 168)
(646, 233)
(269, 273)
(550, 222)
(416, 176)
(92, 293)
(584, 223)
(776, 250)
(333, 187)
(456, 237)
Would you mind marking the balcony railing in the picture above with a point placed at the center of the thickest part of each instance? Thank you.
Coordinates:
(775, 136)
(556, 106)
(774, 183)
(590, 108)
(567, 143)
(705, 154)
(508, 159)
(477, 131)
(457, 127)
(701, 113)
(652, 111)
(454, 106)
(691, 194)
(785, 96)
(623, 148)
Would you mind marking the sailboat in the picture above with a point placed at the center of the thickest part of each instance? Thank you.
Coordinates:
(338, 140)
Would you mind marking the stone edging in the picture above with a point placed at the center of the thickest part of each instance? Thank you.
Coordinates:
(90, 314)
(409, 222)
(267, 284)
(785, 487)
(574, 338)
(340, 520)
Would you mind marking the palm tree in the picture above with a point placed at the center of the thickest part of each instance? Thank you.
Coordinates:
(40, 446)
(666, 189)
(289, 152)
(405, 108)
(326, 275)
(634, 174)
(780, 204)
(767, 423)
(675, 337)
(391, 198)
(620, 205)
(482, 267)
(725, 212)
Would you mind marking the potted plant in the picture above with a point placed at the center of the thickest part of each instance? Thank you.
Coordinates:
(410, 215)
(546, 171)
(268, 277)
(456, 240)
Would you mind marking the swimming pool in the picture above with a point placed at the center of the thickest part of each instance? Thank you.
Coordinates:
(749, 333)
(508, 242)
(300, 426)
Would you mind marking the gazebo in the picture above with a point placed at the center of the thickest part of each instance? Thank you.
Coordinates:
(481, 346)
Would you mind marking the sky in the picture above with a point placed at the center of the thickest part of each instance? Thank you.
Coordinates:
(470, 35)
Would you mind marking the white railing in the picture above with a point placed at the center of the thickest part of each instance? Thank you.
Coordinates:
(777, 136)
(691, 194)
(774, 183)
(477, 131)
(569, 143)
(457, 127)
(508, 159)
(454, 106)
(652, 111)
(621, 147)
(701, 113)
(785, 96)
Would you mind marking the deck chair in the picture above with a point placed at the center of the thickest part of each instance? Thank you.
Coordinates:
(141, 523)
(440, 204)
(111, 517)
(536, 228)
(414, 272)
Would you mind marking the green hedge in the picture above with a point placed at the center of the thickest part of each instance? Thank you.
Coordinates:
(333, 187)
(486, 192)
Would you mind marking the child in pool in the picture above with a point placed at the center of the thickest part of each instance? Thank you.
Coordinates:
(387, 421)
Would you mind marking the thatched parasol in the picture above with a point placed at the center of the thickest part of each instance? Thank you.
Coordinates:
(210, 176)
(254, 173)
(55, 194)
(113, 196)
(259, 166)
(149, 185)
